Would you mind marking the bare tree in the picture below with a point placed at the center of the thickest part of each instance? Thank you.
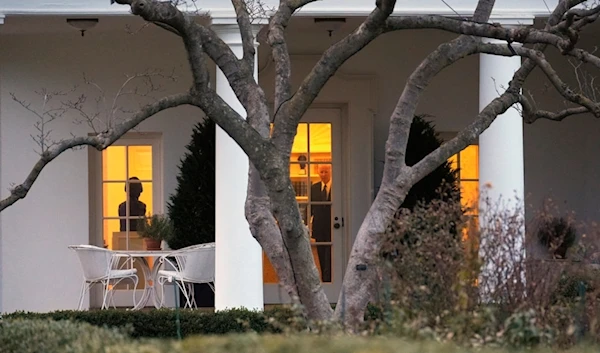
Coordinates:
(271, 207)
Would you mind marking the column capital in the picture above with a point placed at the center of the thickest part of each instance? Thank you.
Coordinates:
(228, 30)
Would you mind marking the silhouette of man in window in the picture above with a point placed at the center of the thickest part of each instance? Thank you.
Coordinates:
(321, 219)
(136, 207)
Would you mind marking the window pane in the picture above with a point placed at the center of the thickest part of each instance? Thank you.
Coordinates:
(269, 275)
(303, 212)
(454, 163)
(146, 197)
(121, 240)
(321, 222)
(113, 194)
(140, 162)
(323, 261)
(320, 142)
(113, 163)
(300, 145)
(110, 227)
(469, 162)
(470, 195)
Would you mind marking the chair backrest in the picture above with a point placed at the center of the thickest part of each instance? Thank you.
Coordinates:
(95, 262)
(199, 263)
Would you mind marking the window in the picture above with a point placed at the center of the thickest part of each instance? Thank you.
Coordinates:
(467, 164)
(127, 180)
(127, 185)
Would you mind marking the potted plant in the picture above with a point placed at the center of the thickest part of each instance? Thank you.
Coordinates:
(154, 229)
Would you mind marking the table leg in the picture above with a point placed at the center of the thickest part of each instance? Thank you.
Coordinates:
(155, 286)
(147, 286)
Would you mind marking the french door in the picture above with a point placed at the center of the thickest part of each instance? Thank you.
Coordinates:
(126, 184)
(317, 177)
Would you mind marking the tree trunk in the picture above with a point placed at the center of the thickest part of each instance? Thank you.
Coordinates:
(263, 227)
(360, 280)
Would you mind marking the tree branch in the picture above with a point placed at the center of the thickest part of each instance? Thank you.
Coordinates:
(100, 142)
(333, 58)
(492, 110)
(276, 39)
(539, 59)
(472, 28)
(240, 78)
(245, 25)
(531, 115)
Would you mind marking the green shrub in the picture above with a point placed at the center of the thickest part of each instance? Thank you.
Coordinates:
(162, 323)
(192, 206)
(422, 140)
(250, 343)
(48, 336)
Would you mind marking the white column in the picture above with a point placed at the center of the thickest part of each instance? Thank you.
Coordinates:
(238, 264)
(501, 166)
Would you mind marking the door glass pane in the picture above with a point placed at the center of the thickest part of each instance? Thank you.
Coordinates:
(469, 195)
(140, 162)
(469, 163)
(323, 260)
(300, 146)
(146, 197)
(113, 163)
(113, 194)
(320, 142)
(111, 227)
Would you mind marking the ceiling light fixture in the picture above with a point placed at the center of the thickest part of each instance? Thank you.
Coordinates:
(330, 24)
(82, 24)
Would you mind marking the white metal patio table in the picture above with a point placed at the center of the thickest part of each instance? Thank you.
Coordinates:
(149, 275)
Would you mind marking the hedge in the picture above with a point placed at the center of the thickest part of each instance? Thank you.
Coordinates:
(162, 323)
(49, 336)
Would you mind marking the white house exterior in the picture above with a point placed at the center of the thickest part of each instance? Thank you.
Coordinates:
(38, 49)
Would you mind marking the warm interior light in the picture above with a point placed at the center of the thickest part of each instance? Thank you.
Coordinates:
(82, 24)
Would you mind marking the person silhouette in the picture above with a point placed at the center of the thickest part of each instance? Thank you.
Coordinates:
(321, 219)
(136, 207)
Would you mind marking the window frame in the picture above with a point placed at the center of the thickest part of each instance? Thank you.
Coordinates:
(96, 182)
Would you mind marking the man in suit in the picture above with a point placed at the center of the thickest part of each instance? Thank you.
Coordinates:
(321, 218)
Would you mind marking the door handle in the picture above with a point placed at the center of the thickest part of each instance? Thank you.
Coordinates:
(337, 225)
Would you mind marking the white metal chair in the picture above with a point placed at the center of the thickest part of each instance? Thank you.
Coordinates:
(193, 264)
(101, 266)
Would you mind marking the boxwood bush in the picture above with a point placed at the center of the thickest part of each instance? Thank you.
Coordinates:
(49, 336)
(162, 323)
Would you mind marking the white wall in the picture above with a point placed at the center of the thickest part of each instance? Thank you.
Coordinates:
(37, 268)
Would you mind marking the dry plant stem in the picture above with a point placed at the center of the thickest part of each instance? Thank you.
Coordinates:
(100, 142)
